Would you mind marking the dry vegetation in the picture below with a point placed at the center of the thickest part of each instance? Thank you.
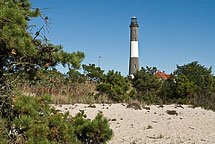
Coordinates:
(67, 93)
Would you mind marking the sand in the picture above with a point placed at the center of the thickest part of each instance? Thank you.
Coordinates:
(153, 126)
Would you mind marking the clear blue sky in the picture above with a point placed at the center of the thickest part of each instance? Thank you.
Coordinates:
(170, 31)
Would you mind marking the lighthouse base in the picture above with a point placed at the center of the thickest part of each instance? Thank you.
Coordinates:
(134, 65)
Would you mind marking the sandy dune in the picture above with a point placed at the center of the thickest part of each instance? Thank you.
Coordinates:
(153, 126)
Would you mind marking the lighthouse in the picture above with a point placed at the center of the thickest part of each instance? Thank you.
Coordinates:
(134, 56)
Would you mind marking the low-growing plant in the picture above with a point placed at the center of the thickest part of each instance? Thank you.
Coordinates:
(160, 136)
(92, 132)
(149, 127)
(183, 101)
(135, 106)
(33, 121)
(171, 112)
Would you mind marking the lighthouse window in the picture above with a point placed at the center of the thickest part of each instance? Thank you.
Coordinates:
(135, 66)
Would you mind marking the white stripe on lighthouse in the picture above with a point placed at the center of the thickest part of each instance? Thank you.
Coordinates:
(134, 49)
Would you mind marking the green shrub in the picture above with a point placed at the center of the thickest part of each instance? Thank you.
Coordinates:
(185, 88)
(150, 97)
(183, 101)
(196, 83)
(33, 121)
(116, 87)
(3, 132)
(75, 76)
(168, 90)
(93, 73)
(92, 132)
(147, 85)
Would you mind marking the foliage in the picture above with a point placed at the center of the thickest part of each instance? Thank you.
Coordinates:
(92, 72)
(185, 88)
(6, 97)
(199, 75)
(115, 86)
(196, 81)
(144, 80)
(147, 84)
(191, 83)
(15, 41)
(22, 54)
(67, 88)
(194, 72)
(25, 119)
(92, 132)
(20, 50)
(168, 90)
(183, 101)
(33, 121)
(75, 76)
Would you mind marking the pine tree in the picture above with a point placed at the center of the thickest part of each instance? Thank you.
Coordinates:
(115, 86)
(26, 119)
(93, 73)
(147, 84)
(20, 49)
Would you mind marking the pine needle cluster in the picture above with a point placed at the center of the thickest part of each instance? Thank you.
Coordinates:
(32, 120)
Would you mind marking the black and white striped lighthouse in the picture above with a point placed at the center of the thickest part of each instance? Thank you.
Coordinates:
(134, 57)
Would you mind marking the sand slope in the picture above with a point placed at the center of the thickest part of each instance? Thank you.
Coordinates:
(153, 126)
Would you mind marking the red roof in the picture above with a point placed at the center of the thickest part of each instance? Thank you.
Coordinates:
(162, 75)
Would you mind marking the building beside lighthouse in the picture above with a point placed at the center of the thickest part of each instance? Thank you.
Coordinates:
(134, 56)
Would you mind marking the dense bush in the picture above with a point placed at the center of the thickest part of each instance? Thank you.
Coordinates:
(33, 121)
(75, 76)
(115, 86)
(196, 83)
(191, 83)
(93, 73)
(147, 85)
(168, 90)
(6, 98)
(92, 132)
(185, 87)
